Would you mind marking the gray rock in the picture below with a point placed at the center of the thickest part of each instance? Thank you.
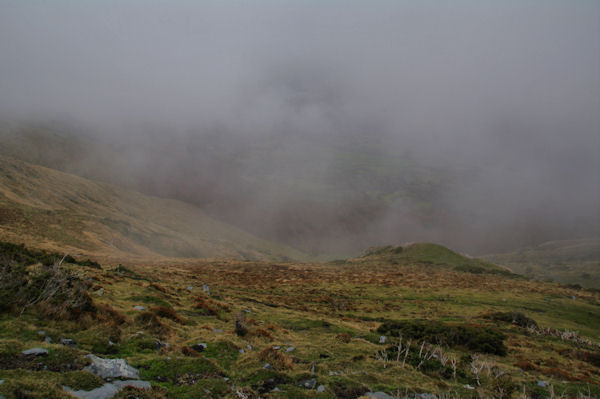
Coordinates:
(140, 308)
(242, 351)
(276, 347)
(542, 384)
(378, 395)
(189, 288)
(108, 390)
(68, 341)
(35, 352)
(42, 332)
(218, 330)
(48, 340)
(467, 386)
(2, 397)
(1, 382)
(321, 388)
(382, 339)
(290, 349)
(249, 347)
(311, 383)
(275, 389)
(268, 366)
(111, 368)
(206, 289)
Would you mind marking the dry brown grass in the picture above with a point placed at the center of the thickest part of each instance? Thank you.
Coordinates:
(149, 321)
(276, 359)
(169, 313)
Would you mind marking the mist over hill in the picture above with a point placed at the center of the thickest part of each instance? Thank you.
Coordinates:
(328, 127)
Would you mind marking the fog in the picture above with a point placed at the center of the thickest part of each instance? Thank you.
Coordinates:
(250, 109)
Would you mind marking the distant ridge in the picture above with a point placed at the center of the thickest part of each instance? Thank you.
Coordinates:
(46, 208)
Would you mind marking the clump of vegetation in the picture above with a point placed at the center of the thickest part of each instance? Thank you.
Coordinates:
(150, 322)
(516, 318)
(52, 290)
(276, 359)
(475, 338)
(240, 324)
(167, 312)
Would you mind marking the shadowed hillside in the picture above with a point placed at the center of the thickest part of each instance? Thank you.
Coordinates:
(58, 210)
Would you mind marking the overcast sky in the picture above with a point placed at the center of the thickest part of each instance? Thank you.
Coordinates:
(514, 84)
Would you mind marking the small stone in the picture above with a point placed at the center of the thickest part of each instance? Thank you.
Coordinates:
(321, 388)
(99, 292)
(311, 383)
(206, 289)
(268, 366)
(1, 382)
(247, 311)
(290, 349)
(382, 339)
(140, 308)
(48, 340)
(249, 347)
(35, 352)
(242, 351)
(275, 389)
(542, 384)
(42, 332)
(467, 386)
(225, 378)
(68, 341)
(378, 395)
(276, 347)
(218, 330)
(189, 288)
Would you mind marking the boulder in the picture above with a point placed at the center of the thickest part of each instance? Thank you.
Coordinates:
(108, 390)
(111, 368)
(35, 352)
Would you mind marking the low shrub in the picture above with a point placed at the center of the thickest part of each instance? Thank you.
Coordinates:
(475, 338)
(517, 318)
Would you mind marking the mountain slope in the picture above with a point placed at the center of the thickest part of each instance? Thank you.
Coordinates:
(567, 261)
(48, 208)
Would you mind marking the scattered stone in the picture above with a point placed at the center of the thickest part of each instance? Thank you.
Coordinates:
(467, 386)
(35, 352)
(218, 331)
(68, 341)
(42, 332)
(199, 347)
(189, 288)
(573, 297)
(108, 390)
(247, 311)
(311, 383)
(1, 382)
(48, 340)
(276, 348)
(2, 397)
(382, 339)
(268, 366)
(140, 308)
(111, 343)
(242, 351)
(99, 292)
(290, 349)
(542, 384)
(275, 389)
(249, 347)
(225, 378)
(111, 368)
(321, 388)
(378, 395)
(206, 289)
(336, 373)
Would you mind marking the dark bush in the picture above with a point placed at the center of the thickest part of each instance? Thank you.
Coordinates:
(517, 318)
(476, 338)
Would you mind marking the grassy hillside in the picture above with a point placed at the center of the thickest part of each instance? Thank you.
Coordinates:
(319, 327)
(428, 254)
(52, 209)
(565, 261)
